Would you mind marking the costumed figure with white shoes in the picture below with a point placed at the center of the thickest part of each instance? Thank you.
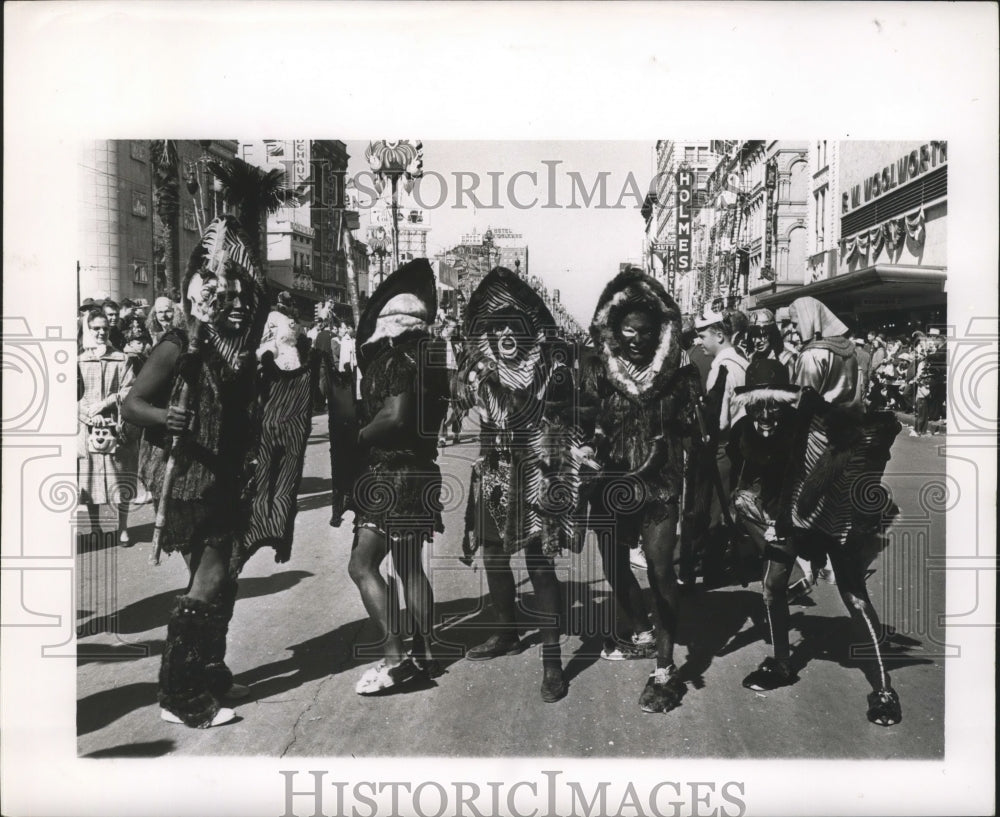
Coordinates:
(809, 486)
(195, 399)
(525, 485)
(646, 423)
(397, 496)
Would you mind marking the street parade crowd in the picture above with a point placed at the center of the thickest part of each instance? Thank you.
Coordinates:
(725, 447)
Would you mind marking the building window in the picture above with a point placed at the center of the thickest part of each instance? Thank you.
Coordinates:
(190, 224)
(140, 272)
(821, 160)
(140, 204)
(138, 150)
(819, 200)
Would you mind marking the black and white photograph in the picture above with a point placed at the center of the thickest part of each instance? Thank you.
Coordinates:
(580, 457)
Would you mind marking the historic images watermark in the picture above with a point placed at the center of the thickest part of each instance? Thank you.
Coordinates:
(312, 794)
(547, 186)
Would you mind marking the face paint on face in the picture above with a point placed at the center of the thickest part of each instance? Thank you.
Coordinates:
(506, 343)
(766, 417)
(233, 313)
(638, 334)
(758, 339)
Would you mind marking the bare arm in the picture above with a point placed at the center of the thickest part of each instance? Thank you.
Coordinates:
(390, 425)
(155, 376)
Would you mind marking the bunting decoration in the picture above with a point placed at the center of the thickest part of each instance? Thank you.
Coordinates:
(889, 235)
(915, 225)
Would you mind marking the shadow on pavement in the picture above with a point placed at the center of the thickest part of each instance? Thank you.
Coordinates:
(105, 707)
(153, 611)
(153, 748)
(314, 485)
(124, 651)
(707, 624)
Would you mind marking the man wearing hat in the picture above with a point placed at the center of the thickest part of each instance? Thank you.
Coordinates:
(798, 459)
(727, 373)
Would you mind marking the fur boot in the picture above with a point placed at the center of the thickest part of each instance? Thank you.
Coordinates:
(183, 688)
(218, 677)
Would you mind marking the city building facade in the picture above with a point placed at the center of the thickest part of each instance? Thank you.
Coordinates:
(305, 247)
(876, 234)
(121, 237)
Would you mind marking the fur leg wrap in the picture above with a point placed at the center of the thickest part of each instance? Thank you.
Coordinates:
(183, 688)
(218, 676)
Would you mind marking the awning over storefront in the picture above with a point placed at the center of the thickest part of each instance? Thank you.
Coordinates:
(880, 288)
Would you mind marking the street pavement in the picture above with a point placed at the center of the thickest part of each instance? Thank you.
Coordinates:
(300, 638)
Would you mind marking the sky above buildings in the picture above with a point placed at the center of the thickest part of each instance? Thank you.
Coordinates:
(576, 204)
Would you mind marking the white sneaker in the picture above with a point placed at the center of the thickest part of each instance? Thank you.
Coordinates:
(913, 432)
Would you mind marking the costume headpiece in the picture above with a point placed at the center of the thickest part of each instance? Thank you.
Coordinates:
(815, 317)
(766, 380)
(225, 253)
(404, 302)
(627, 292)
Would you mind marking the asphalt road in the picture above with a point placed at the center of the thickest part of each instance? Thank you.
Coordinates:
(299, 634)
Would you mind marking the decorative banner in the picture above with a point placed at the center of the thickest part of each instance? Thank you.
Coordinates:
(685, 180)
(875, 238)
(915, 225)
(893, 233)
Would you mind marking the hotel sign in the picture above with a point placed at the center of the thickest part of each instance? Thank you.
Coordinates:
(685, 180)
(903, 170)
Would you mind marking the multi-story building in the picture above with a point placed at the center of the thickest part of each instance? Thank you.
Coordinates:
(659, 210)
(305, 240)
(876, 234)
(507, 250)
(122, 241)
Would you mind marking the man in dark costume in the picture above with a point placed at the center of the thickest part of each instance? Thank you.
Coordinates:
(202, 472)
(646, 418)
(524, 484)
(809, 486)
(397, 495)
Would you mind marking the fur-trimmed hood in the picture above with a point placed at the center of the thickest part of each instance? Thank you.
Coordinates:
(630, 290)
(738, 403)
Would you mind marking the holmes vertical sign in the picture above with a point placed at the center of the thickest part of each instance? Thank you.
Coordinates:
(683, 220)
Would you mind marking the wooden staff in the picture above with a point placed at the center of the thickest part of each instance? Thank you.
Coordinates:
(183, 397)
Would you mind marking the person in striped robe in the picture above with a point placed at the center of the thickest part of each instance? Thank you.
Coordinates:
(645, 424)
(809, 486)
(524, 486)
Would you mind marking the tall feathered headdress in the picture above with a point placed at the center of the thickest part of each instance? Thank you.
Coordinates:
(223, 253)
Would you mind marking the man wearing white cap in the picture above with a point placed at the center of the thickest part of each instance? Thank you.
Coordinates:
(728, 372)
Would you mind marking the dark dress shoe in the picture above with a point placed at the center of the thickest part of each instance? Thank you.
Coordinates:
(554, 685)
(771, 674)
(494, 647)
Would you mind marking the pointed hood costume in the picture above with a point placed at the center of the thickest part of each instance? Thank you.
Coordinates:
(513, 372)
(401, 481)
(828, 361)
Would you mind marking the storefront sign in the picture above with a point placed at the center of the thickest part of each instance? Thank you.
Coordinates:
(772, 172)
(685, 179)
(903, 170)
